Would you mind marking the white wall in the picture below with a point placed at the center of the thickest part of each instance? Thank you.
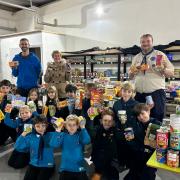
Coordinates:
(123, 22)
(51, 42)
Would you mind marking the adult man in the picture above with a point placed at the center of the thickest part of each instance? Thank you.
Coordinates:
(149, 69)
(58, 73)
(27, 68)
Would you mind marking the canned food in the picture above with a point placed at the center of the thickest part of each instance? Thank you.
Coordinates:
(161, 155)
(175, 140)
(162, 139)
(82, 121)
(166, 123)
(149, 100)
(122, 116)
(58, 122)
(173, 158)
(129, 134)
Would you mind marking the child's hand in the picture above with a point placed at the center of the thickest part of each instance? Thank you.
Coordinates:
(24, 133)
(82, 124)
(8, 108)
(59, 129)
(150, 106)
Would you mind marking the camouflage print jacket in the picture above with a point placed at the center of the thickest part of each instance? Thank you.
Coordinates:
(58, 72)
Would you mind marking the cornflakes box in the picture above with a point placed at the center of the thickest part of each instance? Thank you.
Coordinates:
(1, 115)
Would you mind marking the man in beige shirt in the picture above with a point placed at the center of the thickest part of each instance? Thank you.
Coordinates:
(149, 69)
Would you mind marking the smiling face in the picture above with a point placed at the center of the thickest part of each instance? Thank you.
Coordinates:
(51, 95)
(72, 126)
(33, 96)
(107, 121)
(5, 89)
(24, 45)
(25, 114)
(57, 57)
(126, 94)
(144, 116)
(146, 43)
(40, 128)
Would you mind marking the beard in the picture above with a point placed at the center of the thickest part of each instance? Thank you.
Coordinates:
(24, 49)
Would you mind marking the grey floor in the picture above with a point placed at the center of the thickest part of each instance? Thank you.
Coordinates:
(7, 173)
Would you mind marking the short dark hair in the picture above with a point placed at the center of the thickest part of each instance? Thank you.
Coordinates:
(5, 82)
(140, 107)
(146, 36)
(39, 119)
(24, 39)
(70, 88)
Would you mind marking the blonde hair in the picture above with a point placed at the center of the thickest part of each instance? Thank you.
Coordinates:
(25, 107)
(56, 52)
(72, 117)
(128, 86)
(53, 89)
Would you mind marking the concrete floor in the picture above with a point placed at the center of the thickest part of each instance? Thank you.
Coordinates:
(7, 173)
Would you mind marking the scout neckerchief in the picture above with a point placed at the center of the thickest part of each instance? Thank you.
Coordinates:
(41, 145)
(144, 61)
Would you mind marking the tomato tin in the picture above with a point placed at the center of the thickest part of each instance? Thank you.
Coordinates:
(162, 139)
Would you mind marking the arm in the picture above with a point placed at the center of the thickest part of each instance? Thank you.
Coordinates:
(10, 122)
(133, 71)
(168, 68)
(23, 142)
(68, 72)
(15, 70)
(38, 67)
(84, 137)
(47, 76)
(56, 139)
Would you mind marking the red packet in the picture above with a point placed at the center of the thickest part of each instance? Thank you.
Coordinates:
(96, 96)
(159, 60)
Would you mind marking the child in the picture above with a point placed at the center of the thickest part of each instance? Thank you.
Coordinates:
(19, 159)
(51, 103)
(41, 166)
(126, 103)
(34, 96)
(71, 100)
(5, 131)
(72, 143)
(104, 151)
(141, 153)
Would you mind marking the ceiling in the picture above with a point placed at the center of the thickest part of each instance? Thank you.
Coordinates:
(26, 3)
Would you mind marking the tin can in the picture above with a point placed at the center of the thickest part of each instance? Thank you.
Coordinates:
(166, 123)
(129, 134)
(149, 100)
(58, 122)
(161, 155)
(122, 116)
(173, 158)
(82, 121)
(162, 139)
(175, 140)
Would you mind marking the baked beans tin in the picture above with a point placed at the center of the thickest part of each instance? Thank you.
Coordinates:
(162, 139)
(173, 158)
(129, 134)
(161, 155)
(175, 140)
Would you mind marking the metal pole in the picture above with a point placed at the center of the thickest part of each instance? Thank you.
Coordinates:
(16, 6)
